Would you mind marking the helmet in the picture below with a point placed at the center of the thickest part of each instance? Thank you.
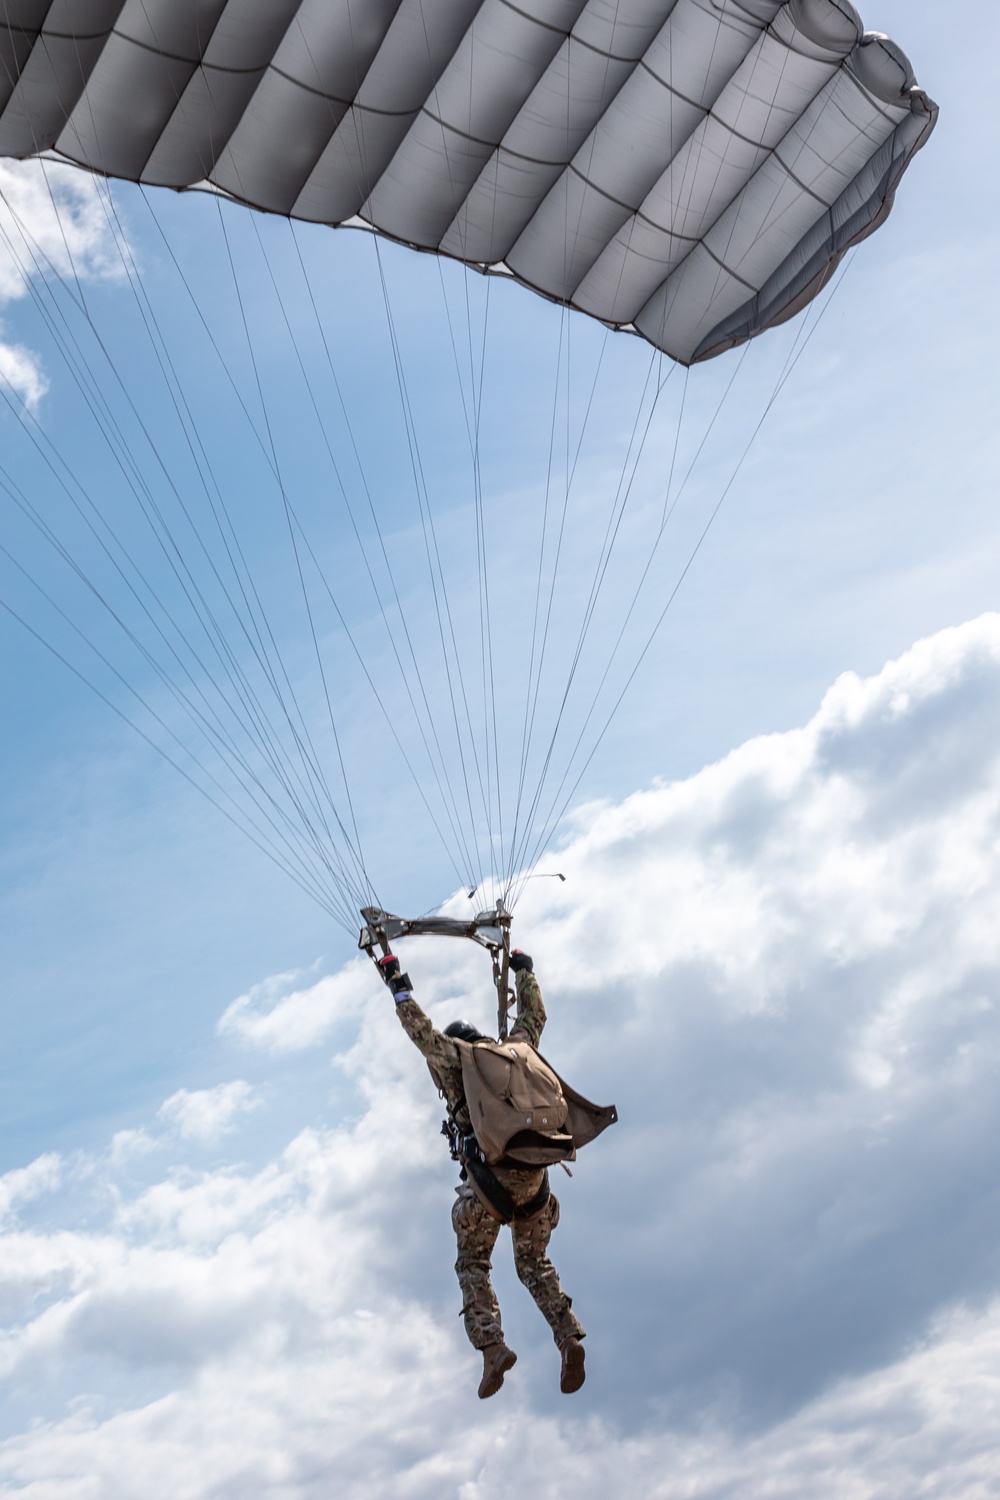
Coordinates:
(463, 1032)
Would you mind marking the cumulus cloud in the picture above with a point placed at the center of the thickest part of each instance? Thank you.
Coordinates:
(27, 1183)
(278, 1016)
(300, 1432)
(54, 223)
(54, 220)
(206, 1114)
(784, 972)
(20, 370)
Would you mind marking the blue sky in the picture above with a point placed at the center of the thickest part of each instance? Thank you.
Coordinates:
(794, 931)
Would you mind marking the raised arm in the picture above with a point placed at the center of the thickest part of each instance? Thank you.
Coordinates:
(439, 1050)
(530, 1022)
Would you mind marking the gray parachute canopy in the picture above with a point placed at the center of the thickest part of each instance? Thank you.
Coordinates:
(691, 170)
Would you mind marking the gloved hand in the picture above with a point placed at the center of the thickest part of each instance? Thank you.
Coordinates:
(388, 967)
(520, 961)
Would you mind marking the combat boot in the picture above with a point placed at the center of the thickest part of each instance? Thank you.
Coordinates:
(572, 1374)
(497, 1360)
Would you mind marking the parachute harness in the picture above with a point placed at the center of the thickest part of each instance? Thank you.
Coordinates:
(490, 929)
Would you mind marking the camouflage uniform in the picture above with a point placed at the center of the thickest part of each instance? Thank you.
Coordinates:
(475, 1227)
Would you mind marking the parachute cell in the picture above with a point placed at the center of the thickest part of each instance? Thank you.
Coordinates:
(690, 170)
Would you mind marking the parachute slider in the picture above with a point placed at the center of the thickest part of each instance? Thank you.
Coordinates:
(488, 928)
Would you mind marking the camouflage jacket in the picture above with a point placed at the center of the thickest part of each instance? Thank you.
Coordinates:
(442, 1054)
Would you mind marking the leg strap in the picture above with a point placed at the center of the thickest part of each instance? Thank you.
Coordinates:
(497, 1199)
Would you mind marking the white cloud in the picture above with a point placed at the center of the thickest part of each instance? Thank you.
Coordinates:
(276, 1019)
(24, 1184)
(206, 1114)
(55, 223)
(785, 972)
(127, 1145)
(20, 369)
(54, 220)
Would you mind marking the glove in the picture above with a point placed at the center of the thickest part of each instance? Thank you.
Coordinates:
(520, 961)
(388, 967)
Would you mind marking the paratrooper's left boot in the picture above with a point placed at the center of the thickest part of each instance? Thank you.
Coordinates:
(572, 1375)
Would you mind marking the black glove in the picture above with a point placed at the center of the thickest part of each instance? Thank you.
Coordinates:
(388, 967)
(520, 961)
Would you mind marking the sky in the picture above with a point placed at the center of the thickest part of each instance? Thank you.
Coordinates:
(227, 1251)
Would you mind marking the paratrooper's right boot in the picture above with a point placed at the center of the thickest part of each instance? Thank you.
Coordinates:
(497, 1360)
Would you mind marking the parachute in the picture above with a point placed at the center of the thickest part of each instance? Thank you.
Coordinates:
(691, 172)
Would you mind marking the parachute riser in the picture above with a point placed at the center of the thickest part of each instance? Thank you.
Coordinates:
(501, 976)
(490, 929)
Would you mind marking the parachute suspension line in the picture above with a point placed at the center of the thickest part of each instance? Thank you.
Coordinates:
(313, 785)
(533, 683)
(623, 493)
(267, 739)
(42, 527)
(251, 703)
(471, 416)
(457, 832)
(492, 779)
(668, 509)
(453, 662)
(313, 892)
(229, 375)
(472, 409)
(25, 506)
(312, 759)
(39, 437)
(485, 620)
(532, 699)
(302, 875)
(126, 462)
(455, 825)
(92, 383)
(431, 550)
(669, 506)
(614, 521)
(294, 528)
(799, 345)
(290, 513)
(315, 781)
(257, 617)
(80, 298)
(466, 396)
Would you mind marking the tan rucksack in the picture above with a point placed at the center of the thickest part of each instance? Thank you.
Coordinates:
(521, 1109)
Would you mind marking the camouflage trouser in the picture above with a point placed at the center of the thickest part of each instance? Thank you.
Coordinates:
(477, 1232)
